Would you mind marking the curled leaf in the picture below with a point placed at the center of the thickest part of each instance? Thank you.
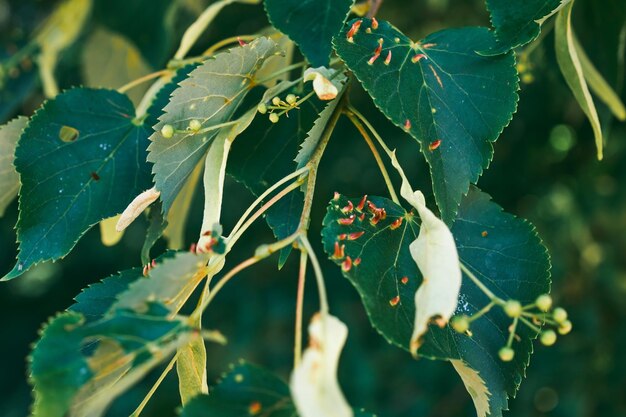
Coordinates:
(136, 207)
(314, 386)
(434, 252)
(475, 385)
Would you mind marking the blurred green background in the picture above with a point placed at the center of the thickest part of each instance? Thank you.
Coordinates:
(544, 169)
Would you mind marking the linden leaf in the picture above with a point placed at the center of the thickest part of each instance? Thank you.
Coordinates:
(518, 23)
(191, 369)
(504, 252)
(311, 24)
(81, 159)
(454, 102)
(9, 178)
(475, 386)
(314, 384)
(210, 95)
(78, 368)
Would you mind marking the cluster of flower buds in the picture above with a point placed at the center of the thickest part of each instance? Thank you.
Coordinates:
(534, 315)
(167, 131)
(279, 107)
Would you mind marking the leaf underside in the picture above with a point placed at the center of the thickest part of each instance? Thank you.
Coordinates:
(501, 250)
(454, 102)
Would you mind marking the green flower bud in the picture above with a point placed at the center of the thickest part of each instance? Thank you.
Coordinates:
(194, 125)
(506, 354)
(544, 302)
(291, 99)
(262, 108)
(276, 101)
(565, 327)
(167, 131)
(547, 337)
(513, 308)
(274, 118)
(559, 314)
(460, 323)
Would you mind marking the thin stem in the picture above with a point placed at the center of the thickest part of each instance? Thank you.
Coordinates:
(355, 121)
(509, 342)
(367, 123)
(529, 324)
(263, 209)
(482, 312)
(268, 250)
(297, 348)
(263, 196)
(319, 276)
(156, 385)
(214, 127)
(142, 80)
(480, 285)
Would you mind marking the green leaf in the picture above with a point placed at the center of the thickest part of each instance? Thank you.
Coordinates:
(79, 368)
(81, 159)
(191, 369)
(9, 178)
(245, 390)
(210, 95)
(502, 251)
(571, 67)
(311, 24)
(453, 101)
(170, 282)
(518, 23)
(96, 300)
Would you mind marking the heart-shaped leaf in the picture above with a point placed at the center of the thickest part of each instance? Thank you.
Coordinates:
(311, 24)
(452, 100)
(81, 159)
(370, 238)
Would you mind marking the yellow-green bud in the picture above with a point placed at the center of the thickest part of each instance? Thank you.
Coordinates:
(559, 314)
(513, 308)
(291, 99)
(547, 337)
(167, 131)
(544, 302)
(274, 118)
(194, 125)
(506, 354)
(262, 108)
(460, 323)
(565, 327)
(276, 101)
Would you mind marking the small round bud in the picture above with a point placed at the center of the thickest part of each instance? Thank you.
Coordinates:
(167, 131)
(544, 302)
(274, 118)
(559, 314)
(460, 323)
(262, 108)
(547, 337)
(194, 125)
(565, 327)
(276, 101)
(513, 308)
(291, 99)
(506, 354)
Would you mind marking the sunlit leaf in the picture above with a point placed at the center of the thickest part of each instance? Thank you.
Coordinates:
(9, 178)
